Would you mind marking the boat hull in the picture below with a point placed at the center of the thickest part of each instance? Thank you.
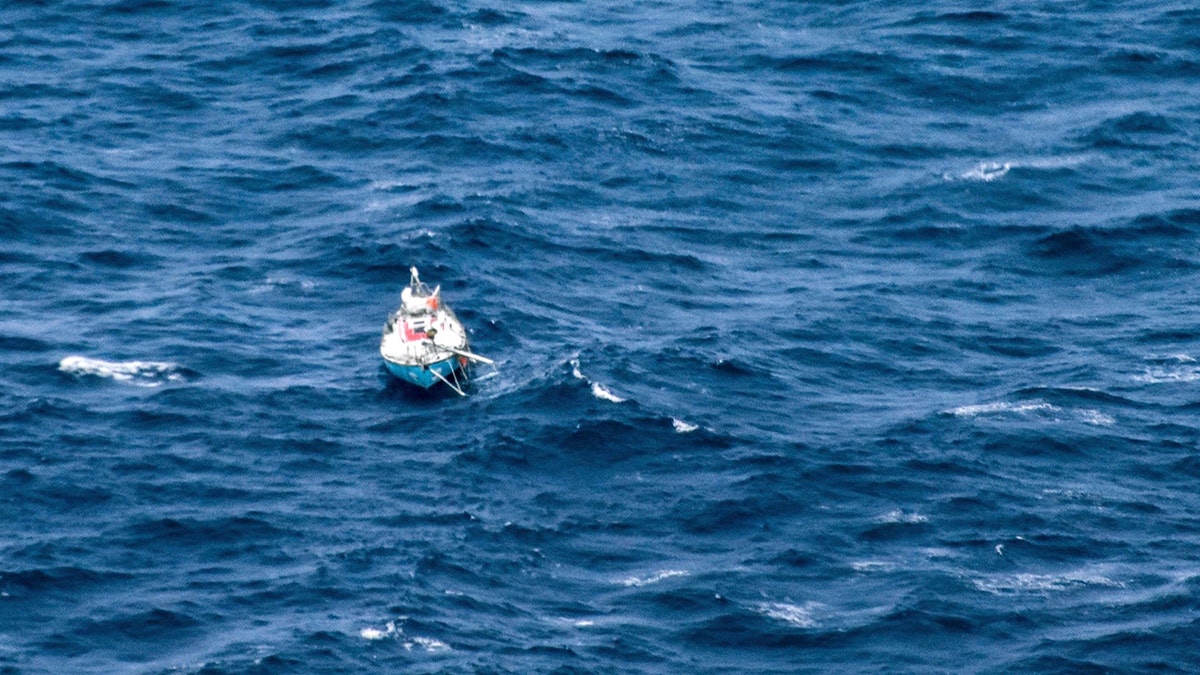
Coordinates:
(423, 375)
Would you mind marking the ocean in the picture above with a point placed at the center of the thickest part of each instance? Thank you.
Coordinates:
(829, 337)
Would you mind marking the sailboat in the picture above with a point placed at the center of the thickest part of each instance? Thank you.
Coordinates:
(424, 343)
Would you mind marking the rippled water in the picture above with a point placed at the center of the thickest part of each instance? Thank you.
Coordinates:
(829, 337)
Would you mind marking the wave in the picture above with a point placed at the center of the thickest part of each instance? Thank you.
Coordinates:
(1093, 252)
(799, 616)
(1000, 407)
(653, 579)
(391, 630)
(1033, 409)
(598, 390)
(984, 172)
(683, 427)
(138, 373)
(1170, 369)
(899, 517)
(1016, 584)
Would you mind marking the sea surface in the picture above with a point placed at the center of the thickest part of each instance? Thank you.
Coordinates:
(830, 336)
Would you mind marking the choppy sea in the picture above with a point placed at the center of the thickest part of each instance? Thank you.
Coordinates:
(830, 336)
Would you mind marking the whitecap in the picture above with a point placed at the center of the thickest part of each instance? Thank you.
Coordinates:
(795, 615)
(1168, 375)
(285, 283)
(1041, 583)
(900, 517)
(598, 390)
(654, 578)
(1097, 418)
(867, 566)
(376, 634)
(984, 172)
(428, 644)
(683, 427)
(1002, 407)
(576, 371)
(1087, 415)
(602, 392)
(140, 373)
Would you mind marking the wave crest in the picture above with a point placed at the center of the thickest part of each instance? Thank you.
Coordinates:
(139, 373)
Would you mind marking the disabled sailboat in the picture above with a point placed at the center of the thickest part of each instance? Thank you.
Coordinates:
(424, 343)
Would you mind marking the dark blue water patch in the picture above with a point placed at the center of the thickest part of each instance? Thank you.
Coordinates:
(412, 12)
(1148, 62)
(20, 343)
(342, 137)
(969, 18)
(1066, 396)
(126, 635)
(44, 219)
(179, 213)
(211, 540)
(470, 148)
(290, 179)
(490, 16)
(120, 260)
(338, 256)
(1011, 346)
(1165, 651)
(1136, 131)
(20, 123)
(56, 175)
(1088, 252)
(139, 7)
(65, 497)
(39, 410)
(54, 584)
(161, 99)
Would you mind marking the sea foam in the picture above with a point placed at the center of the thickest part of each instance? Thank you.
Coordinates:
(1002, 407)
(598, 390)
(794, 615)
(1041, 583)
(140, 373)
(653, 579)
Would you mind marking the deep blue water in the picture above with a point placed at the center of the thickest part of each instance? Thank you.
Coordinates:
(831, 337)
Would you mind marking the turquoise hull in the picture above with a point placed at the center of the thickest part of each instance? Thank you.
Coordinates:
(423, 376)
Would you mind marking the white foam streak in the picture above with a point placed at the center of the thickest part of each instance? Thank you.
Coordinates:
(683, 427)
(900, 517)
(375, 634)
(428, 644)
(1097, 418)
(987, 171)
(140, 373)
(602, 393)
(598, 390)
(372, 634)
(395, 632)
(1167, 375)
(868, 566)
(1041, 583)
(1002, 407)
(653, 579)
(1086, 415)
(285, 283)
(795, 615)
